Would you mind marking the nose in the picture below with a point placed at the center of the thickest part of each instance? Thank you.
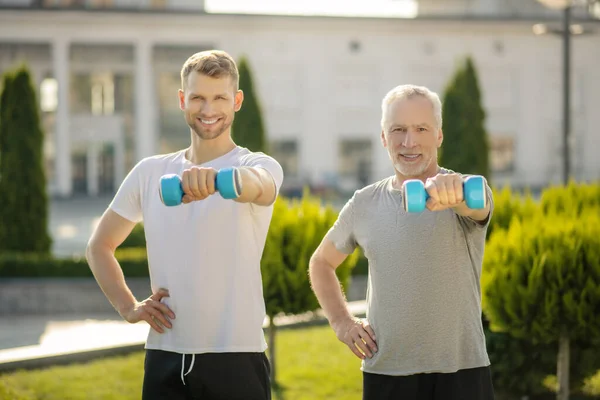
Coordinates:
(409, 139)
(207, 109)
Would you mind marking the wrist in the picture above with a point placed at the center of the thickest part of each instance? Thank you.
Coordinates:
(124, 308)
(340, 321)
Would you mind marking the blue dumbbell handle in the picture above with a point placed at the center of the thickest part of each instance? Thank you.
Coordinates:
(227, 182)
(415, 195)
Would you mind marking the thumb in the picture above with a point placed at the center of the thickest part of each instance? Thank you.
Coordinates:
(160, 294)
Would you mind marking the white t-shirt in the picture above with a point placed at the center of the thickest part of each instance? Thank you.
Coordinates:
(206, 253)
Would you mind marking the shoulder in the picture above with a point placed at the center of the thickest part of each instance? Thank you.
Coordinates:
(248, 157)
(372, 192)
(159, 160)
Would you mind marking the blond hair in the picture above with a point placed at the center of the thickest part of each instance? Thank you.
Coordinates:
(213, 63)
(407, 91)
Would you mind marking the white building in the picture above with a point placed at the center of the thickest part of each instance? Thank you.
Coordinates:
(108, 73)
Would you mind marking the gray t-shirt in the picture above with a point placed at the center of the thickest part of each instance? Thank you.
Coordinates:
(423, 295)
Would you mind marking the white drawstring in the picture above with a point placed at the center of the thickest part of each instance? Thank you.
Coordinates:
(183, 366)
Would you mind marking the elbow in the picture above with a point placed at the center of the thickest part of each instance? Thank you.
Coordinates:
(95, 247)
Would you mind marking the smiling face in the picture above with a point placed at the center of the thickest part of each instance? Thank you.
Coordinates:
(411, 135)
(209, 104)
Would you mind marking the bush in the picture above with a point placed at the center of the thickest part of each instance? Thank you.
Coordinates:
(541, 281)
(20, 265)
(297, 228)
(23, 197)
(509, 206)
(572, 199)
(465, 146)
(248, 127)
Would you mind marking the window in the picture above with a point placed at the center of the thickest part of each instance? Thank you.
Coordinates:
(355, 158)
(286, 153)
(49, 95)
(502, 155)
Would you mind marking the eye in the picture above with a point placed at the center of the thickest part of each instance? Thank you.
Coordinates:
(220, 98)
(422, 129)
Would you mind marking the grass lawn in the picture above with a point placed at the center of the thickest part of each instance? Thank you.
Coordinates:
(312, 364)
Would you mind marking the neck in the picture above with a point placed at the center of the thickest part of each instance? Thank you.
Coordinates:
(201, 150)
(429, 172)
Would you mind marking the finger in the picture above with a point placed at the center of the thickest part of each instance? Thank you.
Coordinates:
(361, 345)
(458, 190)
(153, 324)
(165, 310)
(366, 337)
(442, 193)
(432, 204)
(353, 348)
(202, 184)
(160, 294)
(370, 331)
(185, 183)
(450, 193)
(195, 183)
(432, 190)
(187, 199)
(210, 181)
(158, 315)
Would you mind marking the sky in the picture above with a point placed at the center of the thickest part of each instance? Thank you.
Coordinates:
(346, 8)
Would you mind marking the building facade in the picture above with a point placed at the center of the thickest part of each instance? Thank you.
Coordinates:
(107, 74)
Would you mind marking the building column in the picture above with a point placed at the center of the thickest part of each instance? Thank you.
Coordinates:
(61, 67)
(145, 99)
(92, 167)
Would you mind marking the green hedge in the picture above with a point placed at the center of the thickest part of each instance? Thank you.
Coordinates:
(521, 366)
(17, 265)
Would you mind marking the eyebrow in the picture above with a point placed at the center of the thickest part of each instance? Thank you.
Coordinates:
(192, 94)
(404, 125)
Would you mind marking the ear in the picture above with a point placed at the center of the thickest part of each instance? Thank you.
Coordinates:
(440, 138)
(239, 99)
(383, 139)
(181, 95)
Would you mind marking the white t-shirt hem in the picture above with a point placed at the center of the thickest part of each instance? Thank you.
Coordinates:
(189, 350)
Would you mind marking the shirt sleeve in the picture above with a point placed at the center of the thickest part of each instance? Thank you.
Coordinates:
(268, 163)
(127, 201)
(342, 233)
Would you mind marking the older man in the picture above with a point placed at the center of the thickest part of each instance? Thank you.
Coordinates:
(423, 337)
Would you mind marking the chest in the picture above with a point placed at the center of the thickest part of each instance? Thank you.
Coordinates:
(387, 232)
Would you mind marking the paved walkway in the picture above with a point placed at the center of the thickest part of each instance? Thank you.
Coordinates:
(34, 341)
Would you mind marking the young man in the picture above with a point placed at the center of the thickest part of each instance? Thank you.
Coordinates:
(422, 338)
(207, 309)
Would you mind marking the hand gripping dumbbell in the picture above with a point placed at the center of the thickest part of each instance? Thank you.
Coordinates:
(415, 196)
(228, 183)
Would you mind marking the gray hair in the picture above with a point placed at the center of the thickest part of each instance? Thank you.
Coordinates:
(407, 91)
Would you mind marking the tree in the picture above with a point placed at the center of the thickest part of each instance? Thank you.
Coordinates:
(465, 147)
(248, 129)
(541, 282)
(24, 210)
(297, 228)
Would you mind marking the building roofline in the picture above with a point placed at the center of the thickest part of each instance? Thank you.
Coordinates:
(500, 18)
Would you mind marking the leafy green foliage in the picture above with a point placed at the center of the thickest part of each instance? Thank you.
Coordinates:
(465, 148)
(248, 129)
(24, 210)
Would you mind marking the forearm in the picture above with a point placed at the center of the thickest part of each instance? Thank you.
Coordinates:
(254, 186)
(328, 291)
(110, 278)
(475, 214)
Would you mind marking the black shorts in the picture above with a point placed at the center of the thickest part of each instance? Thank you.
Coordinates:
(466, 384)
(210, 376)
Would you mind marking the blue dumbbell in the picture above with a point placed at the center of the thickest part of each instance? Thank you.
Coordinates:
(415, 196)
(227, 182)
